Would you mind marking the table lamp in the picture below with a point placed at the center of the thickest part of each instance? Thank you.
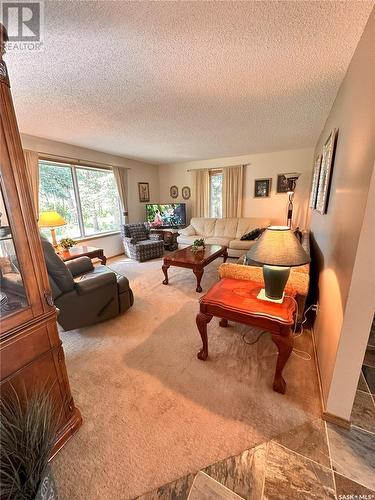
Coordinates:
(51, 219)
(278, 250)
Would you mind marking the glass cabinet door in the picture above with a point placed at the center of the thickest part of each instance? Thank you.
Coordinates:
(12, 291)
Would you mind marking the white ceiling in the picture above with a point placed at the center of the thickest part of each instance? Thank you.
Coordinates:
(178, 81)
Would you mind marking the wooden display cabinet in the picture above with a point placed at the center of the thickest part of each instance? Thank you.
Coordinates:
(31, 352)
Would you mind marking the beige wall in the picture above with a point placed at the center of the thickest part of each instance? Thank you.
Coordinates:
(258, 166)
(344, 293)
(139, 172)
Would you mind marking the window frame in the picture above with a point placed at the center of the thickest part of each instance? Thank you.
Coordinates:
(216, 173)
(73, 170)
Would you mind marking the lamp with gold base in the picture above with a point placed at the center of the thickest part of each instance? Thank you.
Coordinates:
(51, 219)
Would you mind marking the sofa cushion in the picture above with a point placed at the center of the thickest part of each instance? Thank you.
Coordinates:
(187, 231)
(203, 226)
(216, 240)
(226, 227)
(186, 240)
(241, 244)
(247, 224)
(138, 232)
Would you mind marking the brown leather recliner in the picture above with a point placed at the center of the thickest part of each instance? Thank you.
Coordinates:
(85, 294)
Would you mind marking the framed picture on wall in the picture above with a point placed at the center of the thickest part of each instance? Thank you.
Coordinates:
(173, 191)
(282, 185)
(185, 192)
(315, 181)
(262, 188)
(143, 191)
(325, 174)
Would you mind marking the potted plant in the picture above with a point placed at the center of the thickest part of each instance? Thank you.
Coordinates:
(67, 243)
(198, 245)
(27, 433)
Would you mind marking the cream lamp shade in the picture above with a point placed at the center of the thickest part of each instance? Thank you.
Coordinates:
(278, 250)
(51, 219)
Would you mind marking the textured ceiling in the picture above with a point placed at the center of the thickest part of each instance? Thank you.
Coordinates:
(178, 81)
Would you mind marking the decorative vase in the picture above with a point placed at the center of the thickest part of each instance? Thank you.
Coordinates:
(47, 488)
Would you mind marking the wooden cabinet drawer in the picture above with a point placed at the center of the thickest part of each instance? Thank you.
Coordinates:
(26, 347)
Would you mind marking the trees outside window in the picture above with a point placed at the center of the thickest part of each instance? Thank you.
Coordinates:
(56, 192)
(216, 194)
(99, 200)
(86, 197)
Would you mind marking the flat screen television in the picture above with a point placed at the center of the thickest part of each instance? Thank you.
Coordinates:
(166, 215)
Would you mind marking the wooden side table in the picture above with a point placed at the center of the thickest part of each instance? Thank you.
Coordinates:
(169, 236)
(83, 251)
(236, 300)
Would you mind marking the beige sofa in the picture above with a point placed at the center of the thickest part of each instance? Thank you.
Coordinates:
(226, 232)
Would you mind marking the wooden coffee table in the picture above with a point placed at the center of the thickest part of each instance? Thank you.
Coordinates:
(195, 261)
(236, 300)
(83, 251)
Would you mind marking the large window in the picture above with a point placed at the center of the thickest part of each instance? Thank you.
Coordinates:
(86, 197)
(216, 193)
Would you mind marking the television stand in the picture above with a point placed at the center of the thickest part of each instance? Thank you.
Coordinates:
(169, 236)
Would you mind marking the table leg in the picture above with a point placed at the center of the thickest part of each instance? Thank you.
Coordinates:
(284, 345)
(165, 268)
(225, 255)
(198, 273)
(223, 323)
(202, 320)
(103, 259)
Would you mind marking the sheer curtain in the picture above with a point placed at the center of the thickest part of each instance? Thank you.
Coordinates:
(232, 191)
(201, 193)
(32, 169)
(121, 178)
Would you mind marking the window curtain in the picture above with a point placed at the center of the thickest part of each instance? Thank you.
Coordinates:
(121, 178)
(32, 169)
(232, 191)
(201, 193)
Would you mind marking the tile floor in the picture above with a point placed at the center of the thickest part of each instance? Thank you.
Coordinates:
(314, 461)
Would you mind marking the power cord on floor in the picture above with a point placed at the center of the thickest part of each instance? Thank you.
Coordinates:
(255, 341)
(297, 352)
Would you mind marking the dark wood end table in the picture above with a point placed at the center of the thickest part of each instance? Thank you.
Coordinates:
(195, 261)
(83, 251)
(236, 300)
(169, 237)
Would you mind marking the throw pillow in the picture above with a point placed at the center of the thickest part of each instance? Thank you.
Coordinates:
(138, 233)
(254, 234)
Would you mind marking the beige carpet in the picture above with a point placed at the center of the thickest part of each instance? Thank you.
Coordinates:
(152, 411)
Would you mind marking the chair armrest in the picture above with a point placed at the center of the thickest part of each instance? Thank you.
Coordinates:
(240, 272)
(79, 266)
(128, 240)
(187, 231)
(297, 282)
(90, 285)
(156, 237)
